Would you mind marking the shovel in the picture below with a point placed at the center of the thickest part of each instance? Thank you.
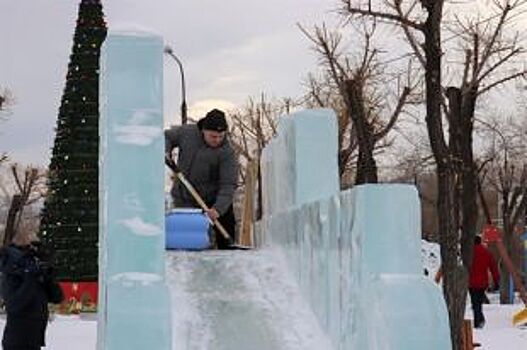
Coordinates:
(179, 174)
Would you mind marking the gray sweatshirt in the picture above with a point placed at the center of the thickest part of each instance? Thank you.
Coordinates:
(212, 171)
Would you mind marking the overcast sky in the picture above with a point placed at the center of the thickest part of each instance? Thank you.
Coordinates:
(231, 49)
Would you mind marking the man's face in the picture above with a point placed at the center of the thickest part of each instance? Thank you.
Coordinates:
(213, 138)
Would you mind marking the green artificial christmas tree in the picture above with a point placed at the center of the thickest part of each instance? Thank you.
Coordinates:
(69, 219)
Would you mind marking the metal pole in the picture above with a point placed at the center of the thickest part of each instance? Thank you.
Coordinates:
(170, 52)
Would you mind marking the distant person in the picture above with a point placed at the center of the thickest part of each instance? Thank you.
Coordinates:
(482, 263)
(207, 160)
(27, 287)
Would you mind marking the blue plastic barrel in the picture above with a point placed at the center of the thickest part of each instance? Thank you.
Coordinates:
(187, 229)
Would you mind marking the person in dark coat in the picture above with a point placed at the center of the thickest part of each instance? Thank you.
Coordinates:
(207, 160)
(482, 263)
(27, 287)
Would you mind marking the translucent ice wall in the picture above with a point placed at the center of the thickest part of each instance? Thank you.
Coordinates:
(295, 173)
(134, 300)
(356, 254)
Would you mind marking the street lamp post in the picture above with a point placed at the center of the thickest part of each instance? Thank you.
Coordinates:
(170, 52)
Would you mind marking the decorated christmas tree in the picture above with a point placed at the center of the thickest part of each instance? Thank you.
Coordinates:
(69, 219)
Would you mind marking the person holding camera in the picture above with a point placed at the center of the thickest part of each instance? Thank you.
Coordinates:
(27, 287)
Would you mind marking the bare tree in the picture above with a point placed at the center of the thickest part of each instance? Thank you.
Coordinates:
(457, 185)
(252, 127)
(488, 58)
(360, 86)
(27, 187)
(507, 175)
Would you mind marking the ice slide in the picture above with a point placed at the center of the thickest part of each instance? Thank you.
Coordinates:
(354, 255)
(228, 300)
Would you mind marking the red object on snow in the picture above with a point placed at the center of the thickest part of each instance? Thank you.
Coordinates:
(80, 290)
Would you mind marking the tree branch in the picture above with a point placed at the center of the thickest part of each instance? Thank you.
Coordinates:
(411, 39)
(498, 64)
(383, 15)
(488, 49)
(502, 81)
(395, 115)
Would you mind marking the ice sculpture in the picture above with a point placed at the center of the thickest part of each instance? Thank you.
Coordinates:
(356, 254)
(296, 173)
(134, 310)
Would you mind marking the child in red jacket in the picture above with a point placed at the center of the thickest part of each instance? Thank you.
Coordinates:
(482, 263)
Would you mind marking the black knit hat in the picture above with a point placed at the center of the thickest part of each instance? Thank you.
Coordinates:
(214, 120)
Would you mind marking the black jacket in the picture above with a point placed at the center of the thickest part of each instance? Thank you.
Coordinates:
(27, 287)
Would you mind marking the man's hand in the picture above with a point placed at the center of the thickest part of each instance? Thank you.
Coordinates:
(212, 214)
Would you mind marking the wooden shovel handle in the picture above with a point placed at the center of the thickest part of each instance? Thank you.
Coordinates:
(202, 204)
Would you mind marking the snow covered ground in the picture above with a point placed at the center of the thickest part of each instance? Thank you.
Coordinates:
(498, 333)
(69, 332)
(247, 300)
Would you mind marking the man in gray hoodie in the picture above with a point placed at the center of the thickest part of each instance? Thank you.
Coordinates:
(207, 160)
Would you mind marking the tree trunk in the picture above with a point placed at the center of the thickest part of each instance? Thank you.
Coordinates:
(366, 166)
(455, 275)
(461, 106)
(469, 174)
(10, 227)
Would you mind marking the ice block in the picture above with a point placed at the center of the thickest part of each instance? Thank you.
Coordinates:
(355, 254)
(134, 311)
